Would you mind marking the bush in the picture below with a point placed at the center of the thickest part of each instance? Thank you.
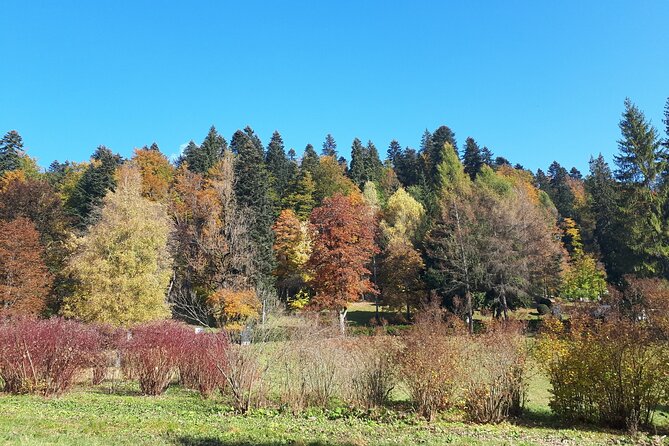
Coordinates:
(153, 352)
(203, 362)
(611, 371)
(45, 356)
(430, 363)
(543, 309)
(374, 372)
(496, 379)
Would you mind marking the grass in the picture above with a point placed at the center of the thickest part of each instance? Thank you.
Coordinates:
(92, 416)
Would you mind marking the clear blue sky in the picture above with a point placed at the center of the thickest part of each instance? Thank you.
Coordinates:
(532, 80)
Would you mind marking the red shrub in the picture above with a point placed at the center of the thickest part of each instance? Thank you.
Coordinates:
(152, 354)
(111, 340)
(44, 356)
(203, 364)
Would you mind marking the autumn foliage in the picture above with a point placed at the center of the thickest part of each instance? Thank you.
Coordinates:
(25, 281)
(343, 245)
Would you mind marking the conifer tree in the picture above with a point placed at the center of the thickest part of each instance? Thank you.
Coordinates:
(472, 158)
(279, 168)
(96, 181)
(203, 157)
(373, 164)
(302, 198)
(357, 171)
(310, 160)
(252, 191)
(11, 151)
(486, 156)
(329, 146)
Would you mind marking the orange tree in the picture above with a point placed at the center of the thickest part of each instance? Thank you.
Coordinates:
(343, 245)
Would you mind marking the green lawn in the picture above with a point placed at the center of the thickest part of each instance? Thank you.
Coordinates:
(92, 416)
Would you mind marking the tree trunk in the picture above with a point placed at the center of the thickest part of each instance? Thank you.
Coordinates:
(342, 321)
(505, 307)
(470, 311)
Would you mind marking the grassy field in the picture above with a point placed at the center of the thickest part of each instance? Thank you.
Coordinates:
(92, 416)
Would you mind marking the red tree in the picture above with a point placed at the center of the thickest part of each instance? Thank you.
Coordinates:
(25, 281)
(343, 245)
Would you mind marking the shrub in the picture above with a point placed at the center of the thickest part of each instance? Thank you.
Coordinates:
(152, 354)
(543, 309)
(374, 373)
(111, 339)
(496, 378)
(429, 363)
(610, 371)
(202, 363)
(45, 356)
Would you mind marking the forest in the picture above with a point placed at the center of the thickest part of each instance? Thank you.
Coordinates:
(258, 246)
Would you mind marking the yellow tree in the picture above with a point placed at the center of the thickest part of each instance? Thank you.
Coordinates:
(292, 248)
(157, 172)
(122, 268)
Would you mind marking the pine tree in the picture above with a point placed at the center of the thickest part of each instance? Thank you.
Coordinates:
(329, 146)
(203, 157)
(471, 158)
(252, 191)
(301, 199)
(357, 171)
(11, 151)
(96, 181)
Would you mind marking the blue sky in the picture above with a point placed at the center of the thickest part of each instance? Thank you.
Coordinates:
(532, 80)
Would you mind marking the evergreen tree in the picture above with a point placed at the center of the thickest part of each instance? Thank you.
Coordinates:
(541, 181)
(310, 160)
(252, 191)
(357, 171)
(202, 158)
(443, 135)
(608, 233)
(279, 168)
(96, 181)
(302, 197)
(373, 164)
(292, 155)
(575, 173)
(395, 154)
(559, 189)
(471, 158)
(329, 146)
(11, 151)
(640, 164)
(486, 156)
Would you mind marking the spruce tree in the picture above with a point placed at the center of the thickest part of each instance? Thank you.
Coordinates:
(559, 190)
(279, 168)
(395, 154)
(640, 164)
(373, 164)
(329, 146)
(11, 151)
(310, 160)
(96, 181)
(357, 171)
(252, 184)
(471, 158)
(487, 156)
(203, 157)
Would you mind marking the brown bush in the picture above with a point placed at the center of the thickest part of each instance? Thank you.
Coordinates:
(495, 374)
(202, 363)
(430, 361)
(45, 356)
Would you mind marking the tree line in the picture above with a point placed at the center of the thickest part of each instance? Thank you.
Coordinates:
(230, 230)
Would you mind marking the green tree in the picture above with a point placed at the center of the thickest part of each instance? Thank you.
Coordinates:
(122, 268)
(329, 146)
(96, 181)
(472, 158)
(279, 168)
(310, 160)
(301, 199)
(357, 171)
(640, 163)
(11, 151)
(330, 179)
(252, 192)
(203, 157)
